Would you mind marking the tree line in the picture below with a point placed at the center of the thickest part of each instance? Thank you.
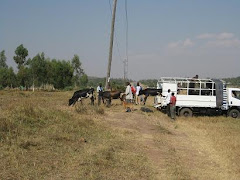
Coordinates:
(40, 71)
(234, 82)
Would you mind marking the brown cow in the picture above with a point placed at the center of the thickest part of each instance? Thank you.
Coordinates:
(109, 95)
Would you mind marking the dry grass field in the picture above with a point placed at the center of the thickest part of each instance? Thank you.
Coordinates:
(41, 137)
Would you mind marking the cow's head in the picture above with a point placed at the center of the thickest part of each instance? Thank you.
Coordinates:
(71, 102)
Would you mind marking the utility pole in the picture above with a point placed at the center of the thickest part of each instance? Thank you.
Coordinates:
(111, 46)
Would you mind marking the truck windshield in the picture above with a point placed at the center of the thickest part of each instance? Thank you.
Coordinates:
(236, 94)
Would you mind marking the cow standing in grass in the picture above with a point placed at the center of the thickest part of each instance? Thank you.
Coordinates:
(109, 95)
(149, 92)
(81, 94)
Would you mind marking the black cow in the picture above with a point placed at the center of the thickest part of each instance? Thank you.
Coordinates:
(109, 95)
(149, 92)
(79, 95)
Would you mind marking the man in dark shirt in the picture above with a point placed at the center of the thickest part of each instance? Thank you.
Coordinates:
(173, 106)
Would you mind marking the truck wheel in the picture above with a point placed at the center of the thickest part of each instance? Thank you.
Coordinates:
(186, 112)
(234, 113)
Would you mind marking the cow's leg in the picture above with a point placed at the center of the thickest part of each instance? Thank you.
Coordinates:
(74, 102)
(108, 102)
(100, 98)
(80, 99)
(145, 98)
(92, 100)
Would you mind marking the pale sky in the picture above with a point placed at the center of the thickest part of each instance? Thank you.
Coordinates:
(165, 38)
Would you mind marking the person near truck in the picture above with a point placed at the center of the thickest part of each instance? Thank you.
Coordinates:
(172, 103)
(138, 88)
(168, 97)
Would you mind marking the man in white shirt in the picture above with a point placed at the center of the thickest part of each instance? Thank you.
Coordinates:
(168, 97)
(138, 88)
(100, 93)
(129, 96)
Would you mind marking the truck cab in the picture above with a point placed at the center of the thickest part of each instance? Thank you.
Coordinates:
(233, 102)
(234, 97)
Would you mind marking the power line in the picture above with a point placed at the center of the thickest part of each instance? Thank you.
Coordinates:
(126, 13)
(126, 63)
(125, 69)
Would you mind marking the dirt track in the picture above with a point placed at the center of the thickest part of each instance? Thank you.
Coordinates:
(177, 150)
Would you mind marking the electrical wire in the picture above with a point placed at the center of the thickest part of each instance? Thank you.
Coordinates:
(126, 13)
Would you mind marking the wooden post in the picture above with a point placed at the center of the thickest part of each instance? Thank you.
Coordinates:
(111, 46)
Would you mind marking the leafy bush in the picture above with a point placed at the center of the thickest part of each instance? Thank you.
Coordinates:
(68, 88)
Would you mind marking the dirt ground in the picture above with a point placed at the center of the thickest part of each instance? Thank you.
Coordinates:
(177, 149)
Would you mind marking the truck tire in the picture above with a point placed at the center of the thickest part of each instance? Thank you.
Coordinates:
(234, 113)
(186, 112)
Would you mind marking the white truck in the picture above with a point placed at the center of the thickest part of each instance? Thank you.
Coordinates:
(203, 96)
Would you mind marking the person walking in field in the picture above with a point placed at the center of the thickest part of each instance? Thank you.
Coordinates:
(173, 101)
(100, 93)
(138, 88)
(129, 97)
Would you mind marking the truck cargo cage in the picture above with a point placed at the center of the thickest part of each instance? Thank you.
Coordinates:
(195, 92)
(192, 86)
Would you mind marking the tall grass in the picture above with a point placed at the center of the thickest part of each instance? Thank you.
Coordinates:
(87, 109)
(42, 138)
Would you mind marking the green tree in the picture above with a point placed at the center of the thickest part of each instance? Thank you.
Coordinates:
(3, 77)
(24, 77)
(78, 70)
(62, 73)
(21, 54)
(7, 78)
(3, 59)
(83, 80)
(38, 69)
(11, 78)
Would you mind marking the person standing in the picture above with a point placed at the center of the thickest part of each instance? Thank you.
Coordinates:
(168, 97)
(138, 88)
(100, 93)
(129, 97)
(173, 101)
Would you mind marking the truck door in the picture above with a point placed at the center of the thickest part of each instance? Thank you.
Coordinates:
(234, 99)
